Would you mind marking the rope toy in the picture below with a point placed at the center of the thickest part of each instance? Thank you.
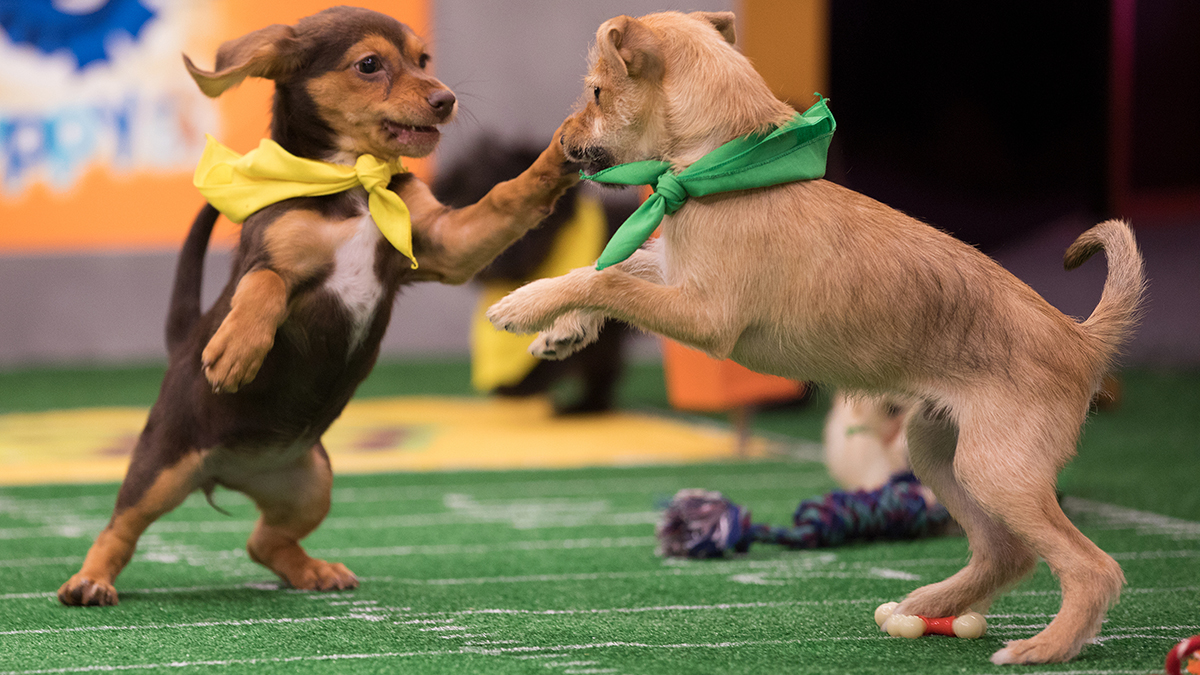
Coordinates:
(704, 524)
(969, 626)
(1187, 653)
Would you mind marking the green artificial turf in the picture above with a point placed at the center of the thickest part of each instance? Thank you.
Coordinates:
(554, 571)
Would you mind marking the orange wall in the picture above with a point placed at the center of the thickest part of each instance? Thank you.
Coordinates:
(108, 208)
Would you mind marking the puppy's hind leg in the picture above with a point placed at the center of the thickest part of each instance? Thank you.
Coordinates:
(293, 501)
(998, 559)
(149, 491)
(1029, 449)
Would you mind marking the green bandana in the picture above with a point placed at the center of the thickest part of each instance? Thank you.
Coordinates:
(794, 151)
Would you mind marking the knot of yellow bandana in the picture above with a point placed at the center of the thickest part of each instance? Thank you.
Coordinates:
(239, 185)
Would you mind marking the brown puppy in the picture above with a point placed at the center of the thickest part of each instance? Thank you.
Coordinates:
(811, 281)
(254, 382)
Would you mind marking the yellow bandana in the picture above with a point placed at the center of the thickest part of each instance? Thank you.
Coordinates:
(238, 185)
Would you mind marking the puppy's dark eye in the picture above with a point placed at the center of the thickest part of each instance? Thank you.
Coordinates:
(368, 65)
(423, 61)
(596, 94)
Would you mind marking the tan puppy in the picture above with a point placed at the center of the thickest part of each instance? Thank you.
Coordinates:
(811, 281)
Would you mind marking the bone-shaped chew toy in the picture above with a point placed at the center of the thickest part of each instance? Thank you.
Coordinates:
(970, 625)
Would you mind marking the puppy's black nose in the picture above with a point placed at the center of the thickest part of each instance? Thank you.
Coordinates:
(442, 102)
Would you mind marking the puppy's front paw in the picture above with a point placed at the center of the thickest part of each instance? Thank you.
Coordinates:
(521, 311)
(80, 591)
(556, 347)
(232, 359)
(569, 334)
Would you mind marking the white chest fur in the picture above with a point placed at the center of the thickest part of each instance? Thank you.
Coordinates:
(354, 281)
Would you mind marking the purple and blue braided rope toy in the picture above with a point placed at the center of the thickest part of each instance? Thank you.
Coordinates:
(704, 524)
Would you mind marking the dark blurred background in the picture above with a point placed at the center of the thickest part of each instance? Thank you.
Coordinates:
(990, 119)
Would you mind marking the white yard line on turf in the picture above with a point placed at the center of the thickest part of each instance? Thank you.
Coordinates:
(254, 586)
(89, 528)
(191, 557)
(657, 608)
(1113, 517)
(505, 651)
(450, 616)
(198, 624)
(873, 572)
(804, 566)
(767, 480)
(402, 613)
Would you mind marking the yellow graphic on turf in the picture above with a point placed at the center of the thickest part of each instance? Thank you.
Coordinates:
(389, 434)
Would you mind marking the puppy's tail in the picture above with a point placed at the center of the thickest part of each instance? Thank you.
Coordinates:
(1119, 310)
(184, 311)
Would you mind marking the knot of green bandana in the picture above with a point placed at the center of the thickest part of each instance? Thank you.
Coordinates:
(795, 151)
(673, 192)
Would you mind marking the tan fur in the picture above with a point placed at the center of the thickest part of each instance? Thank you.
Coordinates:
(293, 500)
(235, 353)
(302, 242)
(812, 281)
(353, 106)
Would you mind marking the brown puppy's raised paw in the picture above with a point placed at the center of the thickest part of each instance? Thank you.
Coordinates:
(232, 357)
(80, 591)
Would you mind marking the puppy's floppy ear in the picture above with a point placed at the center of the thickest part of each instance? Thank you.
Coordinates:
(722, 21)
(272, 52)
(629, 44)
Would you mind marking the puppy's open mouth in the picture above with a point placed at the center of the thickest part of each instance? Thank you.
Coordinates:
(593, 158)
(408, 133)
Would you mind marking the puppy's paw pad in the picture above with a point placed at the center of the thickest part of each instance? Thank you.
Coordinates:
(80, 591)
(556, 346)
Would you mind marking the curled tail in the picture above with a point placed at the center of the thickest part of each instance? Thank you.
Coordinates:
(184, 310)
(1114, 318)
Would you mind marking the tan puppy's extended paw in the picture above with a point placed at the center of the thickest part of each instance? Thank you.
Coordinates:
(523, 311)
(80, 591)
(555, 345)
(232, 358)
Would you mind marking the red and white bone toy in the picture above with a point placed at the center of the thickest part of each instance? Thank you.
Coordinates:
(970, 625)
(1185, 654)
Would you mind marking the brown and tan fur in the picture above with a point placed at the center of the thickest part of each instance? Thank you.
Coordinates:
(812, 281)
(254, 382)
